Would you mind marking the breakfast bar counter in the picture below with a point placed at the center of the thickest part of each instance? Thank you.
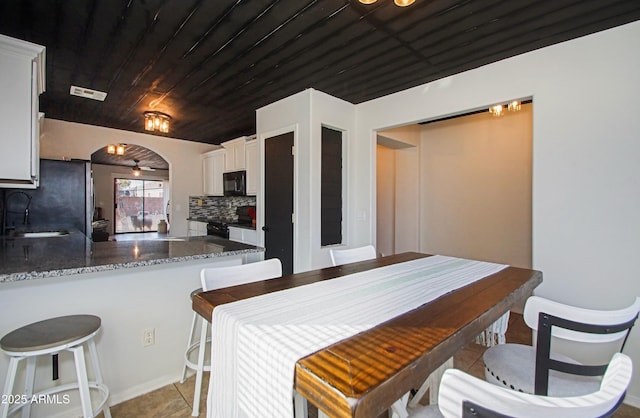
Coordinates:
(73, 253)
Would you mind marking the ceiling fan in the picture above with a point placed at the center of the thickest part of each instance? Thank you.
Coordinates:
(137, 170)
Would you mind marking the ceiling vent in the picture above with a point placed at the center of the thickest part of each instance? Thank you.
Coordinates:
(88, 93)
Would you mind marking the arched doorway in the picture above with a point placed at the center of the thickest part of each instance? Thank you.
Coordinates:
(131, 191)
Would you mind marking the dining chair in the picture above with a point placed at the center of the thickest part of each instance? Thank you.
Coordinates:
(541, 371)
(352, 255)
(193, 344)
(213, 278)
(465, 396)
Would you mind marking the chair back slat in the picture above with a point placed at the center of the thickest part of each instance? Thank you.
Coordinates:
(570, 328)
(218, 277)
(460, 391)
(352, 255)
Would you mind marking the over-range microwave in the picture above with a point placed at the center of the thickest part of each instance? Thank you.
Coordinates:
(235, 183)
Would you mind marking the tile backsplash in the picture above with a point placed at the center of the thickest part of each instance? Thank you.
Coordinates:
(218, 207)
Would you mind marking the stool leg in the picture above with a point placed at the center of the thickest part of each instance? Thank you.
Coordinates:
(93, 353)
(83, 381)
(189, 342)
(8, 385)
(28, 385)
(201, 351)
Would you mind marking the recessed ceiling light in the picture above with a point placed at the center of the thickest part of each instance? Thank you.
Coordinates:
(88, 93)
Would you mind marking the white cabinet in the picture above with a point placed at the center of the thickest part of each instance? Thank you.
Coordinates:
(197, 229)
(243, 235)
(251, 160)
(235, 153)
(212, 169)
(22, 65)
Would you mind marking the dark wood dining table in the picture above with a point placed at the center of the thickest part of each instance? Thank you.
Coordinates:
(364, 375)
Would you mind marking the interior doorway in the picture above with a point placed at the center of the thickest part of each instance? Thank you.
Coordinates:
(463, 188)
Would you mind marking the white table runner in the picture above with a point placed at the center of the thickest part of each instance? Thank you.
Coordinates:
(256, 342)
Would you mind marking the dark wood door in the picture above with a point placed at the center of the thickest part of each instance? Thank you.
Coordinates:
(278, 200)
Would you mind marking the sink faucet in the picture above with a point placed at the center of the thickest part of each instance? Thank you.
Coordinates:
(25, 218)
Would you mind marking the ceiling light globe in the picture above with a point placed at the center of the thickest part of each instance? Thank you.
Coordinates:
(367, 1)
(404, 3)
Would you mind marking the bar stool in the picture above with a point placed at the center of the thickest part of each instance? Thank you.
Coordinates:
(51, 336)
(193, 344)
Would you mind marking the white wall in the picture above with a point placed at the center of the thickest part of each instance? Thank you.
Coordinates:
(386, 199)
(304, 114)
(407, 187)
(586, 233)
(475, 194)
(62, 139)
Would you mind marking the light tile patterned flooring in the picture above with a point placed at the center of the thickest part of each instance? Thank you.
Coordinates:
(174, 401)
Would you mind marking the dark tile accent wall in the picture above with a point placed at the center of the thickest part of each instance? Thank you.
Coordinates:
(218, 207)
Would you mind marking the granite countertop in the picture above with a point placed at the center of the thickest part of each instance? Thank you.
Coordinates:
(35, 258)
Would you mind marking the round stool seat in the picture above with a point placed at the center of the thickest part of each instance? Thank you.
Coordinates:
(72, 333)
(50, 333)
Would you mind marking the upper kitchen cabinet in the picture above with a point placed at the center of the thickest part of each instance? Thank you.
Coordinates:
(235, 153)
(251, 160)
(212, 169)
(22, 65)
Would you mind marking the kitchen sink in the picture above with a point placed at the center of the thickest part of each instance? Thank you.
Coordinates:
(42, 234)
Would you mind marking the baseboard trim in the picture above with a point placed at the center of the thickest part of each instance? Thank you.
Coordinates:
(141, 389)
(632, 400)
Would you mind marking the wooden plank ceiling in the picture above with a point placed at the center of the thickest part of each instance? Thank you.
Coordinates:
(209, 64)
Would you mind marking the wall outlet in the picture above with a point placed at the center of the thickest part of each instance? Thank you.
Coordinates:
(148, 337)
(199, 202)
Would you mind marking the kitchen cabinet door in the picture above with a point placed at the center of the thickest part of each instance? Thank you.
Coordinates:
(22, 69)
(212, 169)
(197, 229)
(251, 160)
(243, 235)
(235, 154)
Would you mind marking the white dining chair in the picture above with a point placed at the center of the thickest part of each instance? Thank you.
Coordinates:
(539, 370)
(352, 255)
(193, 344)
(213, 278)
(465, 396)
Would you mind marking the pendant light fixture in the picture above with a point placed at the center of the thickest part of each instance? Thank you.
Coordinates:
(116, 149)
(156, 121)
(401, 3)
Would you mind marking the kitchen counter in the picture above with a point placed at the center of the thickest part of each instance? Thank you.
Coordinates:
(36, 258)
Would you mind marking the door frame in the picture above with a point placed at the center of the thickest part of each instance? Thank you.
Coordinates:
(260, 201)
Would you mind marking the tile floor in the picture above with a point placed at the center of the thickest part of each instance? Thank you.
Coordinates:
(174, 401)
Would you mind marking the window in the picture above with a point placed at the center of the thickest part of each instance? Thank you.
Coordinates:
(139, 205)
(331, 187)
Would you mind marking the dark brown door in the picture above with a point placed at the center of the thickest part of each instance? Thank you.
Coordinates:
(278, 200)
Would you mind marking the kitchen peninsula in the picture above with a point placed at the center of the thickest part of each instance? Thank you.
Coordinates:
(73, 253)
(137, 288)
